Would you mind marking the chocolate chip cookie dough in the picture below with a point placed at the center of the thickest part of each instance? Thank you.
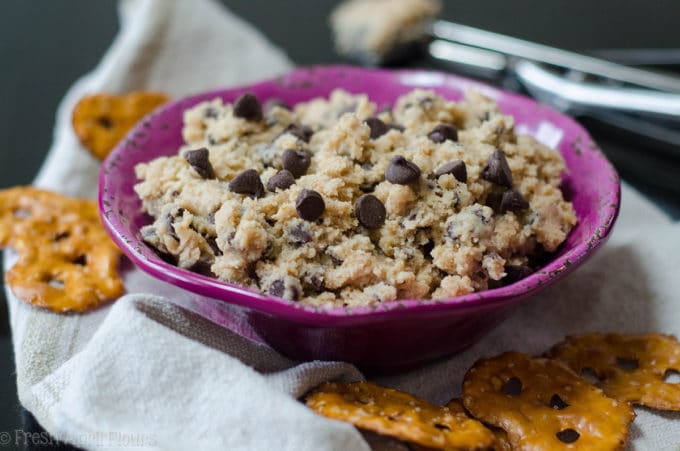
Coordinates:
(336, 201)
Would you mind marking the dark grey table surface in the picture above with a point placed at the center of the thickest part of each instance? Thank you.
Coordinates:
(46, 45)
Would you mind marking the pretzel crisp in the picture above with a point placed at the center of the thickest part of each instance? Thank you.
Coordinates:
(630, 367)
(400, 415)
(501, 442)
(102, 120)
(22, 206)
(66, 262)
(542, 404)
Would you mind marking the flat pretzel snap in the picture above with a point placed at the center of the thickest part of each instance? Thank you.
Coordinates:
(542, 404)
(629, 367)
(23, 206)
(400, 415)
(100, 121)
(66, 261)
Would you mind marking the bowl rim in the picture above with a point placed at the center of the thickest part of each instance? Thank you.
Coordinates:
(554, 270)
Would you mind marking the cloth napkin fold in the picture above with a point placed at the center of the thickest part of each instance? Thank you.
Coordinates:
(150, 374)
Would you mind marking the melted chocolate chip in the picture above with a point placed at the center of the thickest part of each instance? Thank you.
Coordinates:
(627, 364)
(512, 200)
(568, 436)
(296, 161)
(402, 171)
(310, 205)
(497, 170)
(198, 159)
(456, 168)
(248, 107)
(282, 180)
(378, 127)
(247, 182)
(515, 273)
(442, 132)
(301, 132)
(557, 403)
(370, 211)
(512, 387)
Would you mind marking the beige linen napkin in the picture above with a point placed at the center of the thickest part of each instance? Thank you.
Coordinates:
(149, 374)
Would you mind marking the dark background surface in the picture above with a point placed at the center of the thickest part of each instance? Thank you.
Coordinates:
(46, 45)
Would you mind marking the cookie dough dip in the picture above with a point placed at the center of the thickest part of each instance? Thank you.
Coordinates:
(340, 201)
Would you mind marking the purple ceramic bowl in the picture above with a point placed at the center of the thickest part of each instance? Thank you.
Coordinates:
(393, 334)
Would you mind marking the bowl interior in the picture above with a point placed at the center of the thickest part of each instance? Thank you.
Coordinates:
(591, 182)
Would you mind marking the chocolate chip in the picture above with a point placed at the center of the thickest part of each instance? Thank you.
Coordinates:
(453, 230)
(497, 170)
(378, 127)
(427, 249)
(299, 235)
(204, 268)
(198, 159)
(282, 180)
(288, 288)
(442, 132)
(512, 200)
(247, 182)
(248, 107)
(568, 436)
(402, 171)
(210, 112)
(456, 168)
(301, 132)
(170, 227)
(310, 205)
(296, 161)
(627, 364)
(213, 245)
(515, 273)
(557, 403)
(512, 387)
(270, 104)
(276, 288)
(396, 127)
(370, 211)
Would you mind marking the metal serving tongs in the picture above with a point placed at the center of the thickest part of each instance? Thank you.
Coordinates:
(641, 102)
